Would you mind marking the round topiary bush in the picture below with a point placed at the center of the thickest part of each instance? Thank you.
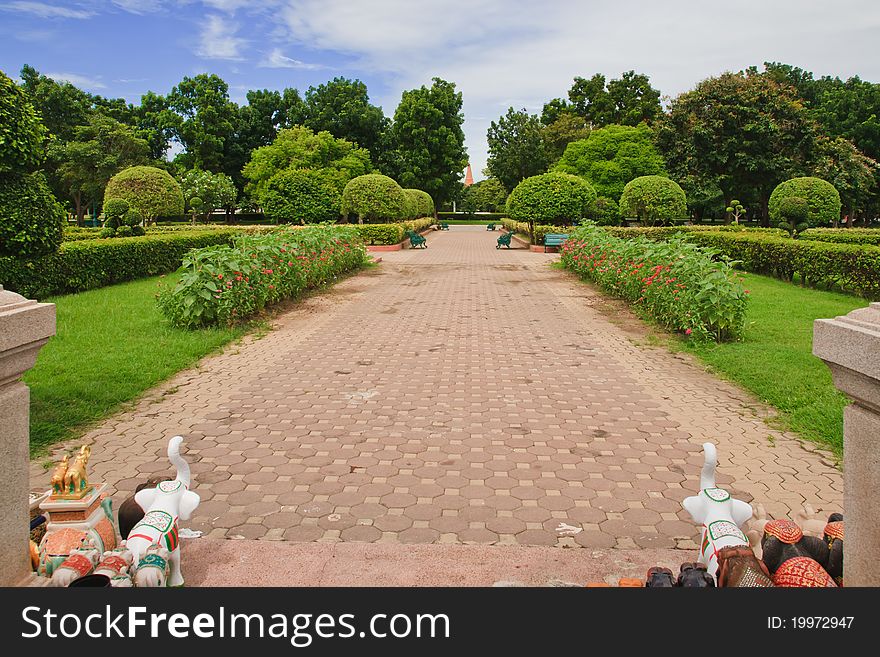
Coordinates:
(374, 198)
(132, 218)
(22, 134)
(138, 231)
(821, 197)
(653, 200)
(551, 198)
(150, 191)
(124, 231)
(31, 220)
(114, 211)
(301, 196)
(604, 211)
(107, 231)
(419, 203)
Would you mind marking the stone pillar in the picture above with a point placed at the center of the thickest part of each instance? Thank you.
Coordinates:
(25, 326)
(850, 346)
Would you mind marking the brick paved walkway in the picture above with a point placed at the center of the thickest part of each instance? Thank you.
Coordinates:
(458, 394)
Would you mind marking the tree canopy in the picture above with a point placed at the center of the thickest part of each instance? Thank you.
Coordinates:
(342, 108)
(516, 148)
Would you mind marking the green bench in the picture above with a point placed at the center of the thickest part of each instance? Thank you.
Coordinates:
(490, 227)
(504, 240)
(554, 239)
(444, 226)
(416, 240)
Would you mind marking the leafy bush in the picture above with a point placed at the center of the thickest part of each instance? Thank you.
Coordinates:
(381, 234)
(31, 220)
(89, 264)
(150, 191)
(519, 227)
(302, 196)
(853, 267)
(653, 200)
(138, 230)
(114, 211)
(419, 203)
(843, 235)
(22, 134)
(107, 232)
(821, 196)
(604, 211)
(224, 284)
(551, 198)
(683, 287)
(374, 198)
(124, 231)
(793, 212)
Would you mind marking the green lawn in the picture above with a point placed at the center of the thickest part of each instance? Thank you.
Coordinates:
(111, 345)
(775, 359)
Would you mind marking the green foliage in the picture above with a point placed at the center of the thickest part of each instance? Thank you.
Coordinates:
(374, 198)
(201, 116)
(744, 133)
(612, 156)
(214, 190)
(132, 218)
(302, 196)
(487, 195)
(150, 191)
(107, 232)
(124, 231)
(679, 285)
(300, 148)
(551, 198)
(96, 151)
(89, 264)
(61, 106)
(823, 201)
(604, 211)
(114, 211)
(843, 236)
(22, 134)
(793, 212)
(428, 141)
(225, 284)
(736, 209)
(419, 203)
(516, 148)
(653, 200)
(629, 100)
(342, 108)
(852, 173)
(560, 132)
(852, 267)
(31, 220)
(381, 234)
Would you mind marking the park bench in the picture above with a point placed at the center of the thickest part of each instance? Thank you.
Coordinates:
(416, 240)
(490, 227)
(554, 239)
(504, 240)
(444, 226)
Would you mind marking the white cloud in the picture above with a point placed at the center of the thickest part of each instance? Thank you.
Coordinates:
(521, 53)
(140, 7)
(218, 40)
(44, 10)
(277, 59)
(77, 80)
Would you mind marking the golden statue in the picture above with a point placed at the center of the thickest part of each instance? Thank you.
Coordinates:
(58, 477)
(70, 482)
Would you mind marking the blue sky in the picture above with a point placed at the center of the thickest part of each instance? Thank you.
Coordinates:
(499, 52)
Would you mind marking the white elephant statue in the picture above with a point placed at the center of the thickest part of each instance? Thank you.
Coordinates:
(79, 563)
(717, 512)
(164, 506)
(153, 568)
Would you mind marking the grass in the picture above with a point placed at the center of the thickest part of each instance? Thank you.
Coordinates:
(111, 345)
(774, 360)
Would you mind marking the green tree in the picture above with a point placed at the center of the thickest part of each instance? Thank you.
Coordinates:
(852, 173)
(202, 118)
(342, 108)
(302, 196)
(22, 133)
(428, 140)
(214, 190)
(150, 191)
(653, 200)
(300, 148)
(612, 156)
(516, 148)
(567, 128)
(96, 151)
(743, 131)
(487, 195)
(374, 198)
(61, 105)
(156, 123)
(628, 100)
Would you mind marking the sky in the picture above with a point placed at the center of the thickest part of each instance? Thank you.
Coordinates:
(500, 53)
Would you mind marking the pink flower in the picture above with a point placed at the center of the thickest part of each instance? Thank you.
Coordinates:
(688, 332)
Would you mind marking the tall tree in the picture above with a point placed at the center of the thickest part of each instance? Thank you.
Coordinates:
(342, 108)
(567, 127)
(83, 165)
(156, 123)
(516, 148)
(62, 106)
(202, 119)
(628, 100)
(744, 131)
(429, 141)
(852, 173)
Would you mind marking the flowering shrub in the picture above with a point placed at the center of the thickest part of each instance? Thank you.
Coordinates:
(678, 284)
(223, 284)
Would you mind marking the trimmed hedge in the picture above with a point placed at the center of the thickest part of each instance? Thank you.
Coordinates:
(418, 203)
(374, 198)
(151, 191)
(31, 220)
(869, 236)
(653, 200)
(853, 267)
(551, 198)
(302, 196)
(90, 264)
(388, 234)
(821, 197)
